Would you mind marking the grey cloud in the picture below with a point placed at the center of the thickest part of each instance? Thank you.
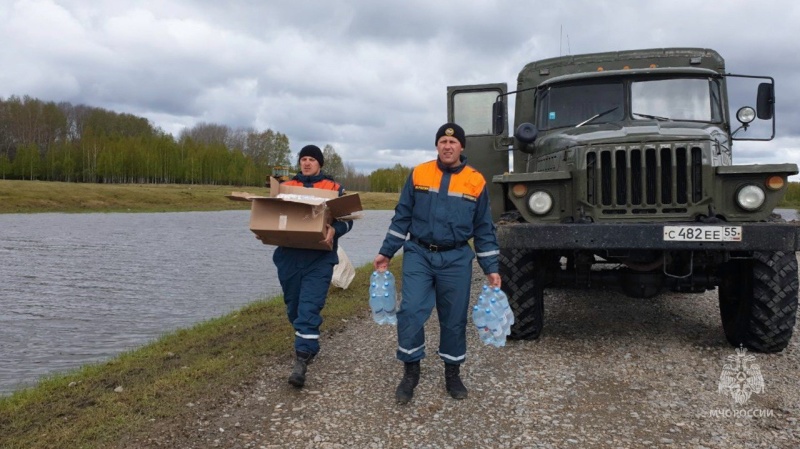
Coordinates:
(367, 77)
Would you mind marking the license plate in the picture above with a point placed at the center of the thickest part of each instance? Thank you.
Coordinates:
(703, 233)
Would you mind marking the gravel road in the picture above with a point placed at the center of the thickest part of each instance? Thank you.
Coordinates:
(608, 372)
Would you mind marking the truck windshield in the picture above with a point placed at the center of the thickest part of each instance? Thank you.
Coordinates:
(662, 99)
(574, 104)
(695, 99)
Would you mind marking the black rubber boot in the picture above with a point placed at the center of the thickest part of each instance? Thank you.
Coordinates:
(298, 376)
(453, 383)
(405, 391)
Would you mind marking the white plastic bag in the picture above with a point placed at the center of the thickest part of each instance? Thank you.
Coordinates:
(343, 272)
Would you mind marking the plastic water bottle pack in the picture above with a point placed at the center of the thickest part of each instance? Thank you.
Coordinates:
(383, 297)
(492, 316)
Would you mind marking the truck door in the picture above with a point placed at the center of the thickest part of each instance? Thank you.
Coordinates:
(471, 107)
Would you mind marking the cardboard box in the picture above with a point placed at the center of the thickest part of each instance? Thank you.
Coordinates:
(296, 216)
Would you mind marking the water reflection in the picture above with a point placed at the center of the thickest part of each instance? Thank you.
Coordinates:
(80, 288)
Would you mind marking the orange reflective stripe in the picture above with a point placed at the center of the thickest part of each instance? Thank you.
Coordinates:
(468, 182)
(325, 184)
(427, 176)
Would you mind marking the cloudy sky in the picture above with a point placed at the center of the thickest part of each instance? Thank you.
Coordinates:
(366, 76)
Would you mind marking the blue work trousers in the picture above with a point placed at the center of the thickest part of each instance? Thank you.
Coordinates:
(305, 281)
(440, 279)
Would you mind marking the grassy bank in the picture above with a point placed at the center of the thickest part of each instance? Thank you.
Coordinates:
(38, 196)
(149, 388)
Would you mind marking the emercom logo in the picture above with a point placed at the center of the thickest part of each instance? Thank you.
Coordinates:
(741, 377)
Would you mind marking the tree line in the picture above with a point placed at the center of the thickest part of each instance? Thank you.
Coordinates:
(51, 141)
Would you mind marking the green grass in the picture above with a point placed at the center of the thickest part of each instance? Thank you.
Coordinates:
(39, 196)
(792, 198)
(81, 409)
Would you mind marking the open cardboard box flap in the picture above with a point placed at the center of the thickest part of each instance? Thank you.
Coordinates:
(296, 216)
(243, 196)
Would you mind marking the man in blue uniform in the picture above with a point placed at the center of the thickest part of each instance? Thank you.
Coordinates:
(443, 204)
(305, 274)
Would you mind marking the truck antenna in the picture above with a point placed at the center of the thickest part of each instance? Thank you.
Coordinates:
(561, 40)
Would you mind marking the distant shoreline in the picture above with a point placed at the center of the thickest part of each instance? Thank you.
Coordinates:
(71, 197)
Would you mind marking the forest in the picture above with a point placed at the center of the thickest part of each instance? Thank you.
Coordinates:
(50, 141)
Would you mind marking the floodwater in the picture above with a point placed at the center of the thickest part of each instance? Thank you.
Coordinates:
(81, 288)
(789, 214)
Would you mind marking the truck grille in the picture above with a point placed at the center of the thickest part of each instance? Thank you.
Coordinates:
(663, 179)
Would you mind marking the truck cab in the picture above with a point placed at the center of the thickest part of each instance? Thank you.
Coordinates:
(620, 173)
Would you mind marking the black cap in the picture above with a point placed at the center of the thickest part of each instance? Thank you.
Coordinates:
(451, 129)
(313, 151)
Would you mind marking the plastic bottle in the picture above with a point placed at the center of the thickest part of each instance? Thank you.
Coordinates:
(479, 320)
(483, 301)
(487, 294)
(390, 301)
(390, 297)
(503, 300)
(378, 314)
(376, 299)
(383, 297)
(495, 327)
(497, 309)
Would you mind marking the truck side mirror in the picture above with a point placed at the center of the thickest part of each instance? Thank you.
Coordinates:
(498, 117)
(765, 103)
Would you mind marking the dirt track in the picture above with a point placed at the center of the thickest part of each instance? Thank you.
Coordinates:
(608, 372)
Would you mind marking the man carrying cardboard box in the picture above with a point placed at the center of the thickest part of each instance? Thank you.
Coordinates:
(305, 274)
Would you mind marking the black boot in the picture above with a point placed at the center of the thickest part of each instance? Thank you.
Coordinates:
(405, 391)
(298, 376)
(453, 383)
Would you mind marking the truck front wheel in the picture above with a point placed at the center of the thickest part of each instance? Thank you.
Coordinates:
(758, 300)
(523, 283)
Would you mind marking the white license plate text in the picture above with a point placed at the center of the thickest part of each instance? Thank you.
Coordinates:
(703, 233)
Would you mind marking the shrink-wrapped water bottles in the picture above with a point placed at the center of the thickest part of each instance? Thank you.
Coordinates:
(502, 320)
(383, 297)
(492, 316)
(502, 299)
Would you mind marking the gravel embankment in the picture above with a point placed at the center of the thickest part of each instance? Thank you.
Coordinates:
(608, 372)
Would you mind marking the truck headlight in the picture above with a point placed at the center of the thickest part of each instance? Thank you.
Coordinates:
(750, 197)
(540, 202)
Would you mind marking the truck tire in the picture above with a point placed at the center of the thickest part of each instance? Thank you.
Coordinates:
(758, 300)
(524, 287)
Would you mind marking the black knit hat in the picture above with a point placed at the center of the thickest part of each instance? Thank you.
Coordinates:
(313, 151)
(451, 129)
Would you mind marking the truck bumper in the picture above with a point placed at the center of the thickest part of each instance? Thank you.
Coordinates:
(650, 236)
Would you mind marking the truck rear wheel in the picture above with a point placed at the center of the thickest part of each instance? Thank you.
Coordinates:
(758, 300)
(524, 286)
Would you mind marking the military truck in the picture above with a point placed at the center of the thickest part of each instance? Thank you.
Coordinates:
(620, 174)
(281, 173)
